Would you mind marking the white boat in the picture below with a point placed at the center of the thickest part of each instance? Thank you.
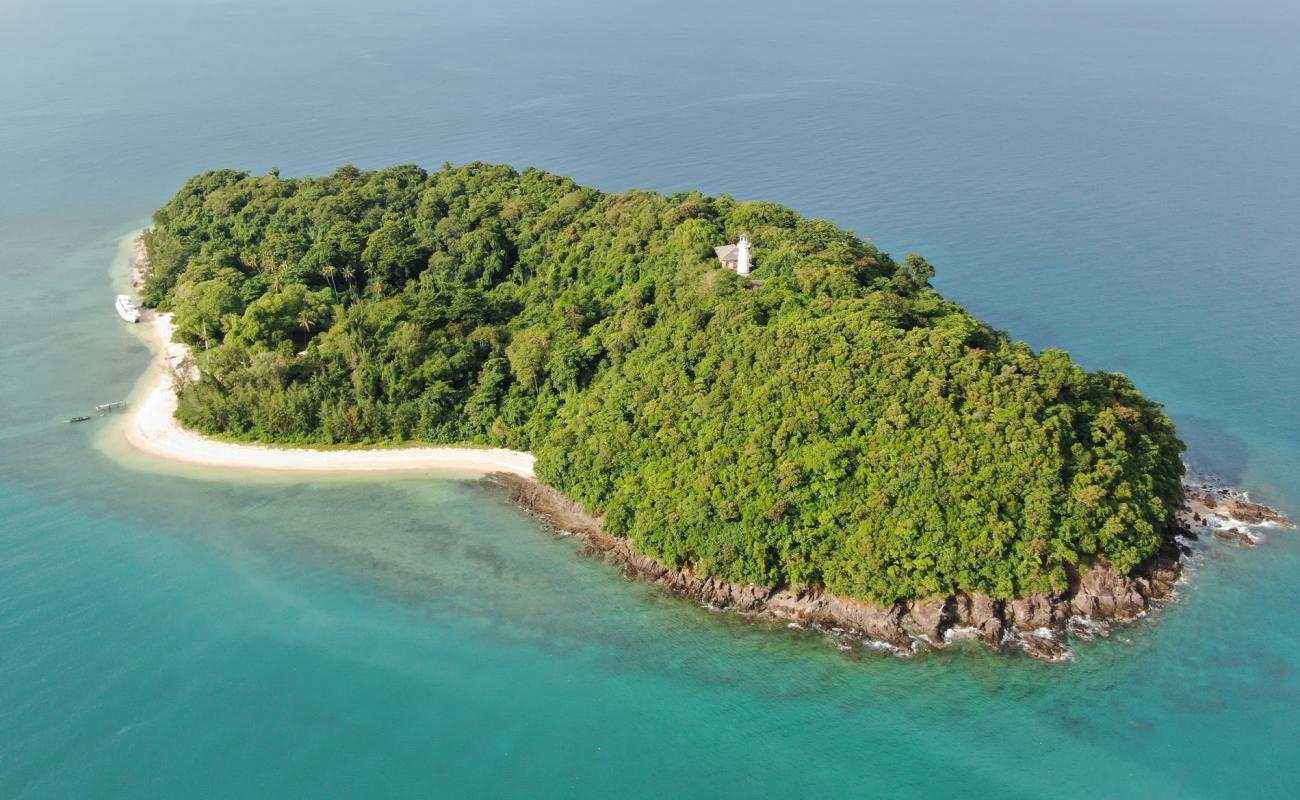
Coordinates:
(126, 309)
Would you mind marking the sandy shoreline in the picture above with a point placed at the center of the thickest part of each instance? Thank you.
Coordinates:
(151, 428)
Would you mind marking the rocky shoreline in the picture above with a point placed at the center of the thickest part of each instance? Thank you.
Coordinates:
(1227, 514)
(1038, 624)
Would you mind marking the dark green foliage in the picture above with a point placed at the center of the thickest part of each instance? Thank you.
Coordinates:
(837, 424)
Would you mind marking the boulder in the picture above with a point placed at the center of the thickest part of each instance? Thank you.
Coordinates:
(1104, 594)
(868, 620)
(1031, 612)
(981, 612)
(929, 618)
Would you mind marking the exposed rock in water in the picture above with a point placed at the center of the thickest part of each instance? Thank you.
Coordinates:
(1227, 513)
(1087, 628)
(1044, 646)
(1253, 513)
(1207, 501)
(1235, 535)
(1037, 624)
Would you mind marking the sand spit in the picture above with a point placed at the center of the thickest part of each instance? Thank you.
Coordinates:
(150, 427)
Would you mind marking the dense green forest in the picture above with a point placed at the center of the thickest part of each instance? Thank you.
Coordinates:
(831, 421)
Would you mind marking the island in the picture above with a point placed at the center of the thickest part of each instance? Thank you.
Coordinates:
(756, 410)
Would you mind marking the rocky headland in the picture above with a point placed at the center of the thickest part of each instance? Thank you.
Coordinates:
(1039, 625)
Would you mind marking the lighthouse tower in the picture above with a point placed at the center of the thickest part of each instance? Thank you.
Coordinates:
(742, 256)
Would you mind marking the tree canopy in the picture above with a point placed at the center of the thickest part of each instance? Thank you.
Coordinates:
(832, 422)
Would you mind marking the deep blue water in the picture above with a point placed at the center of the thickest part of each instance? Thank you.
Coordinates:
(1120, 182)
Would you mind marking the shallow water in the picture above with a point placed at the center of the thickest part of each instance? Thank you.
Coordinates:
(1121, 183)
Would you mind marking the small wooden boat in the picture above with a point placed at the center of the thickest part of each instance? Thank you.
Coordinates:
(81, 418)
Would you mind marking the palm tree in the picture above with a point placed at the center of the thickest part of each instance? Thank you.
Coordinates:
(328, 274)
(306, 323)
(350, 275)
(273, 271)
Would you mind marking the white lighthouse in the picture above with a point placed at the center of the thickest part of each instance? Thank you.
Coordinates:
(742, 256)
(735, 257)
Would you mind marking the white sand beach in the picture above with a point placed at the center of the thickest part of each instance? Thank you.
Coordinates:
(151, 428)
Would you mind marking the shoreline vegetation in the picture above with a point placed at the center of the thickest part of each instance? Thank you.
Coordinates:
(151, 427)
(930, 479)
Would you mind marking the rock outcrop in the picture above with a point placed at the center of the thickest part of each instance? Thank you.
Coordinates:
(1037, 623)
(1207, 502)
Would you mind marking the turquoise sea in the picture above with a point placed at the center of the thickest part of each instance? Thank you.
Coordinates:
(1119, 179)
